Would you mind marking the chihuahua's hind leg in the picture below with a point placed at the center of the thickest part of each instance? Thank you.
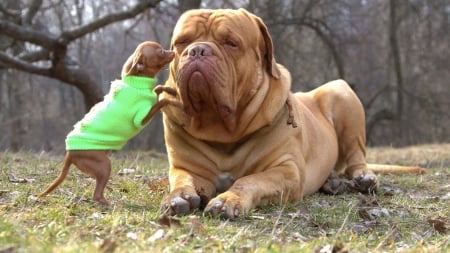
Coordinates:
(97, 165)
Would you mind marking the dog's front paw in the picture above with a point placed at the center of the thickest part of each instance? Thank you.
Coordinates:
(182, 201)
(226, 205)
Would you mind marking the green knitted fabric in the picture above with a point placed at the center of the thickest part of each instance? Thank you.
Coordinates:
(113, 121)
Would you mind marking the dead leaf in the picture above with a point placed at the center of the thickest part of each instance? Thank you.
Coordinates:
(302, 209)
(126, 171)
(14, 179)
(379, 212)
(169, 221)
(157, 183)
(438, 224)
(362, 212)
(159, 234)
(360, 229)
(133, 236)
(108, 246)
(194, 225)
(368, 201)
(8, 249)
(299, 237)
(335, 248)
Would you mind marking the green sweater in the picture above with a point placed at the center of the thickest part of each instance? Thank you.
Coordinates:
(113, 121)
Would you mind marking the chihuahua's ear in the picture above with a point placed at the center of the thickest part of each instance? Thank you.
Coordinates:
(133, 65)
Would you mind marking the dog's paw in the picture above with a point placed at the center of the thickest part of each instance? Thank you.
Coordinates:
(226, 205)
(334, 185)
(365, 182)
(180, 202)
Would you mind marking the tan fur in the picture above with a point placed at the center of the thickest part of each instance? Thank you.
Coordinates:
(237, 118)
(147, 60)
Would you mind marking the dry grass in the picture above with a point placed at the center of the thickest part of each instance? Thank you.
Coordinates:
(410, 213)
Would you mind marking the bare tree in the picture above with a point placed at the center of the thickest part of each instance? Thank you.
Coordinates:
(49, 54)
(395, 53)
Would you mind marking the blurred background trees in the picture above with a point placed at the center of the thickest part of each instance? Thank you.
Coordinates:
(58, 57)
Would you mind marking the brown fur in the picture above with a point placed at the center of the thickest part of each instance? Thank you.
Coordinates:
(147, 60)
(235, 101)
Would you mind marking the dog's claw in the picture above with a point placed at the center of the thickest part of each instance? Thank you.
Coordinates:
(219, 209)
(181, 205)
(366, 183)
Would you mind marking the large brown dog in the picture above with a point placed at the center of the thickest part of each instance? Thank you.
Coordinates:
(234, 121)
(146, 61)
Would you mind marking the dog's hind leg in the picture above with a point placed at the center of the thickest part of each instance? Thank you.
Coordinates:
(97, 165)
(347, 116)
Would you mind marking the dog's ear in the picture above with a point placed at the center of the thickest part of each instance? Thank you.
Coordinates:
(133, 65)
(269, 58)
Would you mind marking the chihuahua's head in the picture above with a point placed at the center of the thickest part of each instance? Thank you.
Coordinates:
(147, 60)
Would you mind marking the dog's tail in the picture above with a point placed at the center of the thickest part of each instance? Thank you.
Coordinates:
(397, 169)
(60, 178)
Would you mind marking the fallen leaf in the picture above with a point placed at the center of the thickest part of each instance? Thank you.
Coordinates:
(8, 249)
(368, 201)
(96, 216)
(194, 225)
(362, 212)
(108, 246)
(157, 183)
(438, 224)
(335, 248)
(360, 229)
(159, 234)
(302, 209)
(132, 236)
(379, 212)
(169, 221)
(32, 198)
(126, 171)
(299, 237)
(14, 179)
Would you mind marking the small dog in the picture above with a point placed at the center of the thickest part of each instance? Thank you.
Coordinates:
(125, 110)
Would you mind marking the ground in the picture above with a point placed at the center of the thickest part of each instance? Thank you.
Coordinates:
(409, 213)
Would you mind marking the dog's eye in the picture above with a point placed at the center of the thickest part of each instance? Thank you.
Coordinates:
(181, 43)
(231, 44)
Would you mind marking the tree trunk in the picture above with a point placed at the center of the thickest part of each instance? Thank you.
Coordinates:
(393, 41)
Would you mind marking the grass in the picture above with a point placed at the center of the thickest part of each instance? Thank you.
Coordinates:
(410, 213)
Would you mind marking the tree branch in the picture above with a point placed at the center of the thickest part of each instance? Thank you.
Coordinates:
(26, 33)
(323, 31)
(107, 19)
(53, 48)
(34, 56)
(11, 62)
(31, 12)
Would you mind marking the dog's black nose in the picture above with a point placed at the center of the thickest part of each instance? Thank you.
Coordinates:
(199, 51)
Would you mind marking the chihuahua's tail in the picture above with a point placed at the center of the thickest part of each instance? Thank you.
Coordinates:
(60, 178)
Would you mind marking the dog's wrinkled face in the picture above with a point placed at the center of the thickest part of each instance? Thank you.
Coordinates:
(222, 57)
(147, 60)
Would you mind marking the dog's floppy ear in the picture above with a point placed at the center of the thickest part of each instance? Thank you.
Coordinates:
(133, 65)
(269, 58)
